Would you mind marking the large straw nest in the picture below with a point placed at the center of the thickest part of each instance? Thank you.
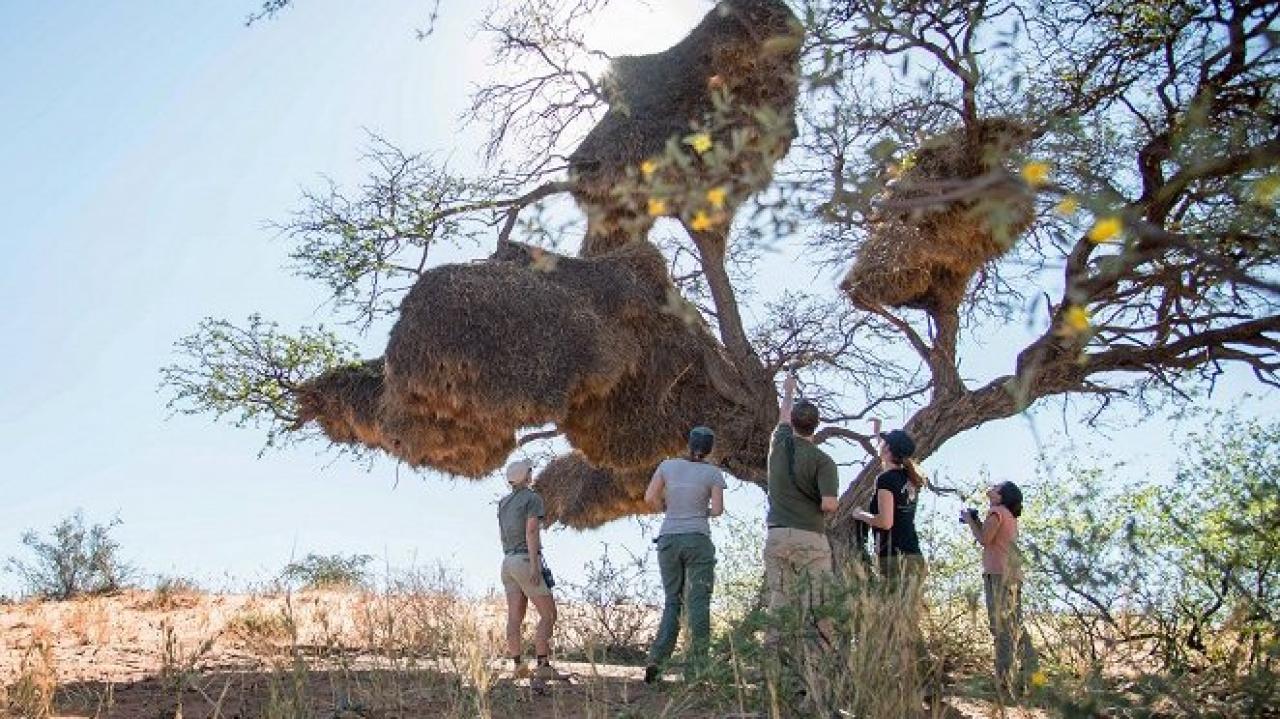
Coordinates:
(925, 258)
(745, 52)
(580, 495)
(598, 346)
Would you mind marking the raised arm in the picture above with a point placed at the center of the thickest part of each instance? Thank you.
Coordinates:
(788, 399)
(974, 527)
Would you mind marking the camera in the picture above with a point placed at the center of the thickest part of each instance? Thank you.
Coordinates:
(969, 513)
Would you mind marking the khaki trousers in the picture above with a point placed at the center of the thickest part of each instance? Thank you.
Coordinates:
(797, 568)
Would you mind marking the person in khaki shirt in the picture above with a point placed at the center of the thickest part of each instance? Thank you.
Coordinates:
(520, 516)
(803, 489)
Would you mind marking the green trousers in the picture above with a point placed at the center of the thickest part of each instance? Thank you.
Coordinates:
(1004, 614)
(687, 563)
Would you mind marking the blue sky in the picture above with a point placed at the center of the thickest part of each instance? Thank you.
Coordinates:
(143, 147)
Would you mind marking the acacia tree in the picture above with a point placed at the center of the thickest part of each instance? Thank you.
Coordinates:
(1147, 132)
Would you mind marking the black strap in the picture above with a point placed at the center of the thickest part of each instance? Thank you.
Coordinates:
(791, 469)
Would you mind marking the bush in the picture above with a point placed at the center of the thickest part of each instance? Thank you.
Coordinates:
(328, 571)
(613, 614)
(73, 560)
(1171, 574)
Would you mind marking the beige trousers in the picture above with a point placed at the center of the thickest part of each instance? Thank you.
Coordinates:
(797, 568)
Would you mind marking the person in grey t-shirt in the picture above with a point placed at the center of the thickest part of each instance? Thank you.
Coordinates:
(690, 491)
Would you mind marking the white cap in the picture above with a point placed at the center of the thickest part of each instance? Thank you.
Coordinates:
(519, 470)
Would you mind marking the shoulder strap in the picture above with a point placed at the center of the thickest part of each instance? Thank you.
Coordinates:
(791, 470)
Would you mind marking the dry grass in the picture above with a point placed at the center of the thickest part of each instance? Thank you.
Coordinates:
(421, 647)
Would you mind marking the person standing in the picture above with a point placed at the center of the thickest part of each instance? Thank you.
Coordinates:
(520, 516)
(892, 512)
(803, 488)
(892, 518)
(1002, 583)
(689, 491)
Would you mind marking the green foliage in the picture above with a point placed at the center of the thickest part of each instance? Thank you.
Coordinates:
(367, 248)
(329, 571)
(73, 560)
(1179, 575)
(610, 614)
(739, 571)
(1223, 531)
(250, 373)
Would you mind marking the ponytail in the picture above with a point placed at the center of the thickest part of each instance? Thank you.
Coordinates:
(913, 473)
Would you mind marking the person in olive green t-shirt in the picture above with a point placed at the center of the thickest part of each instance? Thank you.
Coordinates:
(520, 515)
(803, 489)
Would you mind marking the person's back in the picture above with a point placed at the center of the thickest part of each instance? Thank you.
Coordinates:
(803, 484)
(513, 513)
(800, 474)
(901, 538)
(688, 493)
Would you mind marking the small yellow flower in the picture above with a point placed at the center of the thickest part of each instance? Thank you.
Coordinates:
(700, 142)
(1106, 228)
(647, 168)
(1266, 190)
(701, 222)
(1035, 173)
(1076, 319)
(716, 196)
(1067, 206)
(657, 207)
(1039, 679)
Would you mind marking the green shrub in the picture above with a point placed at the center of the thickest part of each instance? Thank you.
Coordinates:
(329, 571)
(73, 560)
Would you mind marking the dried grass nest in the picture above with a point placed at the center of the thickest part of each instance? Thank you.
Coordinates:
(925, 258)
(749, 50)
(582, 496)
(599, 346)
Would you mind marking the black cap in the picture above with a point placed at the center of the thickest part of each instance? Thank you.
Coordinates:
(899, 443)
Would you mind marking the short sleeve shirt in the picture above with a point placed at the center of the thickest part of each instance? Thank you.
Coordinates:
(514, 511)
(901, 538)
(995, 553)
(795, 499)
(688, 493)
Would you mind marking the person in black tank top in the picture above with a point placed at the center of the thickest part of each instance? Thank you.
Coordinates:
(892, 512)
(892, 519)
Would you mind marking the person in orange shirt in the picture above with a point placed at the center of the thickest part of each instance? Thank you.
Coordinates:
(1002, 583)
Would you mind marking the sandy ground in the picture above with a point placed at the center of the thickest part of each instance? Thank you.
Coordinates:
(324, 654)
